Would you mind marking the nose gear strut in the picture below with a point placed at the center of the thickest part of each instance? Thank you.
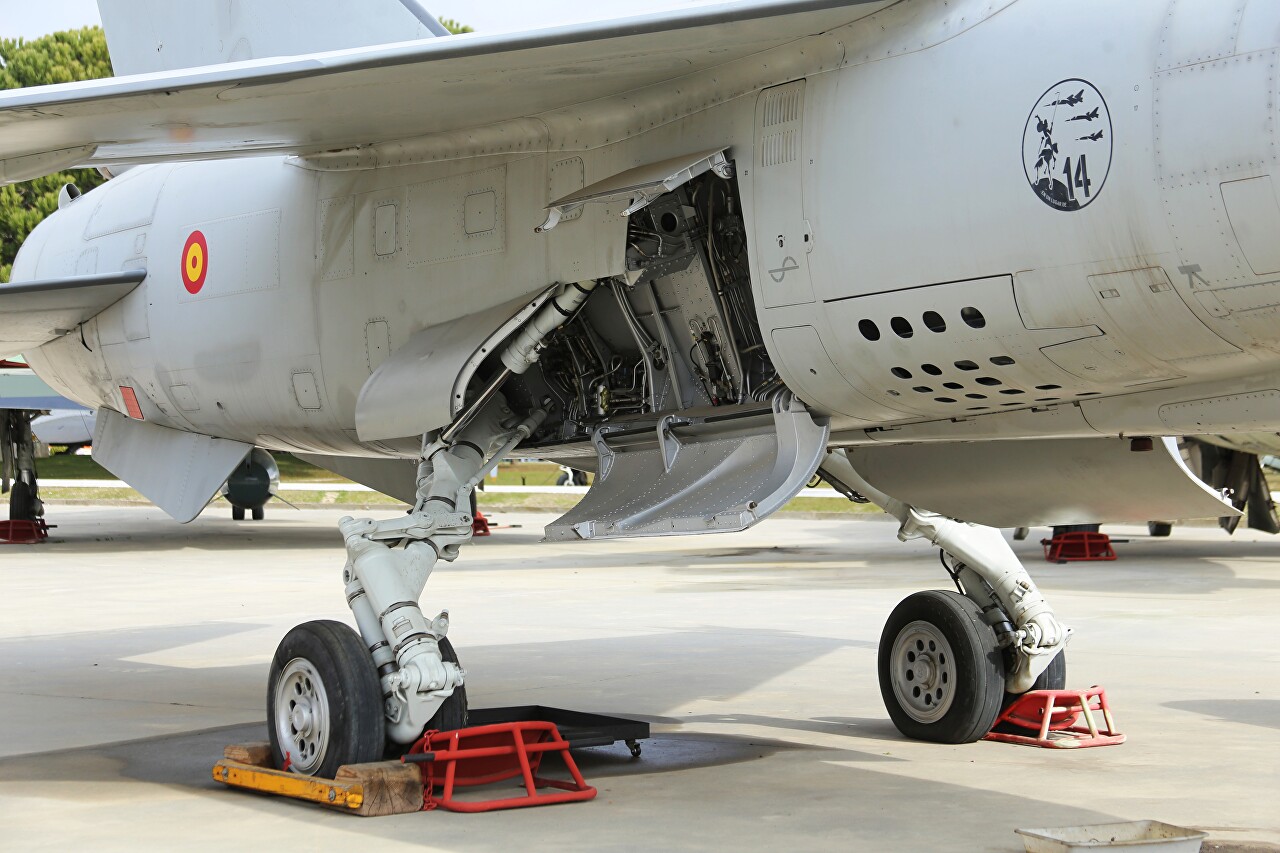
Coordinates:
(989, 573)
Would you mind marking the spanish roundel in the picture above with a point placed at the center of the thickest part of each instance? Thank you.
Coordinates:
(195, 262)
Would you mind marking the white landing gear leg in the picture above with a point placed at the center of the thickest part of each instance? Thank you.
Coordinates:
(326, 698)
(947, 660)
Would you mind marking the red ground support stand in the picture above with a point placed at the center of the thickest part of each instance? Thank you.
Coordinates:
(465, 758)
(1054, 715)
(1078, 547)
(23, 532)
(480, 525)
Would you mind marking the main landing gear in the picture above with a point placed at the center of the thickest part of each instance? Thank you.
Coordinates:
(950, 662)
(336, 697)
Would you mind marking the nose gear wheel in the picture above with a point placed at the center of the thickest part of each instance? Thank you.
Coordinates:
(938, 641)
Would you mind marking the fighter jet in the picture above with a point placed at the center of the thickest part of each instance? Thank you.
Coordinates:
(669, 250)
(1090, 116)
(1093, 137)
(1069, 101)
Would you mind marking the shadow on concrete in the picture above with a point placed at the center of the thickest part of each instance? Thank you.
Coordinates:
(606, 675)
(688, 791)
(1253, 712)
(853, 727)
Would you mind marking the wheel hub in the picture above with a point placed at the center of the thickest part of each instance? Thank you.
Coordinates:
(301, 718)
(923, 672)
(302, 715)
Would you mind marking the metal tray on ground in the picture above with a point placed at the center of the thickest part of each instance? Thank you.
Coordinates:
(580, 729)
(1147, 836)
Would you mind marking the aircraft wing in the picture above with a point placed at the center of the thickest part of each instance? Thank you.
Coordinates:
(340, 99)
(36, 312)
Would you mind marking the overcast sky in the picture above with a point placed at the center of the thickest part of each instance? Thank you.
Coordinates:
(34, 19)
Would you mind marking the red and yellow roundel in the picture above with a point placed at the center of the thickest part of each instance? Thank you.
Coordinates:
(195, 262)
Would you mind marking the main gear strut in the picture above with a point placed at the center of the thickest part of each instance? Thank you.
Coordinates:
(384, 582)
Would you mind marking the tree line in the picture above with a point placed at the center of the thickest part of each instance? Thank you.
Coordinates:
(64, 57)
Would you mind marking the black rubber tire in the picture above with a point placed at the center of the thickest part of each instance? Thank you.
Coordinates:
(1076, 528)
(563, 479)
(1053, 678)
(237, 513)
(259, 513)
(979, 667)
(357, 729)
(22, 502)
(452, 714)
(1160, 528)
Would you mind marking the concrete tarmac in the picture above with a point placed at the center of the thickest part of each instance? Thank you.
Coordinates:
(132, 649)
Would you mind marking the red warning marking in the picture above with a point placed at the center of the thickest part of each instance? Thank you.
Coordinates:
(131, 407)
(195, 262)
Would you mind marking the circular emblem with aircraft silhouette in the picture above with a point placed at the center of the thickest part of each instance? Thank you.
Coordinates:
(1067, 145)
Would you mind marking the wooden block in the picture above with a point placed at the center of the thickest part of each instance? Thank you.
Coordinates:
(389, 787)
(256, 754)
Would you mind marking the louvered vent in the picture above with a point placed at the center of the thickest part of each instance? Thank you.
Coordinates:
(780, 117)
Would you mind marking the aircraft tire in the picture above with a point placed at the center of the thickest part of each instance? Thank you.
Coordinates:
(259, 513)
(22, 503)
(324, 702)
(1159, 528)
(1053, 678)
(958, 695)
(452, 714)
(237, 513)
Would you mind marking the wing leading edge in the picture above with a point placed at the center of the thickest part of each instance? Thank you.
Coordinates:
(349, 98)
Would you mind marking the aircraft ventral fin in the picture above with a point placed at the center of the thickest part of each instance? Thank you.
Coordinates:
(348, 98)
(177, 471)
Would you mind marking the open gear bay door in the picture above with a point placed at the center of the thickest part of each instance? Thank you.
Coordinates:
(696, 474)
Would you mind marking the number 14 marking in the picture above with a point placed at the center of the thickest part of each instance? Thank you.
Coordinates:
(1079, 180)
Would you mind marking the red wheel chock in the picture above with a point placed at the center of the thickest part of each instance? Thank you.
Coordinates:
(480, 525)
(1078, 547)
(1054, 716)
(482, 755)
(23, 532)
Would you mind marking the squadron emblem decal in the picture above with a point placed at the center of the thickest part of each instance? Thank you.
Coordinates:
(1067, 145)
(195, 262)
